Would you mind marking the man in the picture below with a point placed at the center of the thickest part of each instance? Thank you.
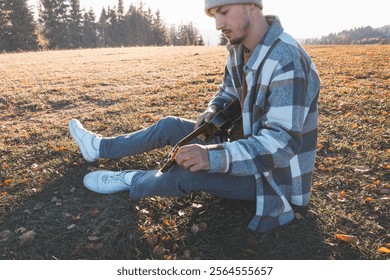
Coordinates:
(271, 162)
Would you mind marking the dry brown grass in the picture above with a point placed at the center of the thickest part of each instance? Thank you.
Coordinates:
(115, 91)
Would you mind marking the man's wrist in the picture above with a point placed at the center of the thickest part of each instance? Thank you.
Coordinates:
(218, 159)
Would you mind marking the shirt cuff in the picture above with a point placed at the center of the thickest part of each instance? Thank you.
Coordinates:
(218, 158)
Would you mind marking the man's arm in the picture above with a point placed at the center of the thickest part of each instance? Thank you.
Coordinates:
(278, 137)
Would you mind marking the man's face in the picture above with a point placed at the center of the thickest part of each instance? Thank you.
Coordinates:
(233, 21)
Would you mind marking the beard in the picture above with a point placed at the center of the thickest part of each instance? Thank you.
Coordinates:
(237, 40)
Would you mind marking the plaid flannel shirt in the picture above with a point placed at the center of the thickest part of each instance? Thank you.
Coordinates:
(279, 124)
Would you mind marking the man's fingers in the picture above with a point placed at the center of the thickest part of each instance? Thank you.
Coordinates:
(206, 116)
(193, 157)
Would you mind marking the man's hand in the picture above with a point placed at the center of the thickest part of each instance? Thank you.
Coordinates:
(205, 118)
(193, 157)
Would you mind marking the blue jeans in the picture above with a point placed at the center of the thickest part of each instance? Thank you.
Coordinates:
(177, 181)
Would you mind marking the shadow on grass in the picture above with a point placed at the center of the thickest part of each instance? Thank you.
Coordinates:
(66, 221)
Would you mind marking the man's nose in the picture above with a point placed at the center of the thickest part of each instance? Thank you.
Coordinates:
(219, 25)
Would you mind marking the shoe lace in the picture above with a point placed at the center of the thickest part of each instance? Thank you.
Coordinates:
(116, 178)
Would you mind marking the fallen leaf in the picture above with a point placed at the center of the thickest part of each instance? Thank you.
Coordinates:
(61, 149)
(92, 238)
(181, 213)
(347, 238)
(24, 181)
(368, 199)
(187, 254)
(165, 238)
(354, 126)
(194, 229)
(362, 169)
(298, 216)
(94, 212)
(330, 160)
(27, 237)
(76, 218)
(321, 167)
(4, 235)
(384, 250)
(21, 230)
(71, 226)
(196, 205)
(202, 226)
(8, 182)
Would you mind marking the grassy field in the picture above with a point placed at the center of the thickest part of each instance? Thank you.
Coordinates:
(46, 213)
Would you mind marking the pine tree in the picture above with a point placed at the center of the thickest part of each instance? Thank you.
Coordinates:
(114, 39)
(122, 35)
(75, 25)
(54, 19)
(20, 27)
(159, 31)
(173, 37)
(4, 26)
(89, 30)
(130, 26)
(102, 28)
(222, 40)
(121, 10)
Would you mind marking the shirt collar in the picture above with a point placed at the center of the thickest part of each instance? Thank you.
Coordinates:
(262, 48)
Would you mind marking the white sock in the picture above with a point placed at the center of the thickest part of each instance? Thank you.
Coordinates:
(128, 178)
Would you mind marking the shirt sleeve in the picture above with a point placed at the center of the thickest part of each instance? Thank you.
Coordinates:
(226, 91)
(276, 130)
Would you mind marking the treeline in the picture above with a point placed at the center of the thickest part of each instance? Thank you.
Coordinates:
(61, 24)
(356, 36)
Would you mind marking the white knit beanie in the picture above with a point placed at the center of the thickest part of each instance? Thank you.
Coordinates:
(209, 4)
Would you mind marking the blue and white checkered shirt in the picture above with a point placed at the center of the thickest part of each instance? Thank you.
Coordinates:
(279, 124)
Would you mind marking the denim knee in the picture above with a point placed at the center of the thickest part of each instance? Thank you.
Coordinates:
(173, 123)
(172, 129)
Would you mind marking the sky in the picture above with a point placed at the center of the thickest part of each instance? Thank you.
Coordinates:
(300, 18)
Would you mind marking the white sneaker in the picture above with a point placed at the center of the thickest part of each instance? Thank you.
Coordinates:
(84, 140)
(106, 182)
